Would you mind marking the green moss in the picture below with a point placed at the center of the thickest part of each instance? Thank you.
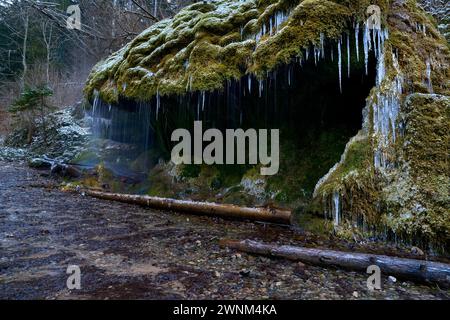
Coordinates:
(356, 158)
(424, 209)
(204, 45)
(355, 181)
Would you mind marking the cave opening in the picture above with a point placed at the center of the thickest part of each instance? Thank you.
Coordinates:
(316, 103)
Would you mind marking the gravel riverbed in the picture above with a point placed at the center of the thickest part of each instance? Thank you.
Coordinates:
(129, 252)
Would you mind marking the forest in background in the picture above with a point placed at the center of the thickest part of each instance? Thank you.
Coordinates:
(37, 49)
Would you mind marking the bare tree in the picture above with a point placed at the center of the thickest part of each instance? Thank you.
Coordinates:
(47, 38)
(26, 19)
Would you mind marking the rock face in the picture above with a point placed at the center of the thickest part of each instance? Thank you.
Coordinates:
(392, 179)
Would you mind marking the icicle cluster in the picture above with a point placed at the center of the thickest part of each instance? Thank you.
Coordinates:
(373, 41)
(386, 103)
(421, 28)
(385, 114)
(272, 26)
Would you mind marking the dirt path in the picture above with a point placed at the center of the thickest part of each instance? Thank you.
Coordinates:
(127, 252)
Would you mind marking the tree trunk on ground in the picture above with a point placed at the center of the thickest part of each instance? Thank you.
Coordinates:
(201, 208)
(409, 269)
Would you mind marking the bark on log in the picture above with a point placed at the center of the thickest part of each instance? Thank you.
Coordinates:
(409, 269)
(274, 215)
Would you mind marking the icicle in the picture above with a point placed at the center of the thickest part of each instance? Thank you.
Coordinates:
(258, 36)
(198, 109)
(357, 40)
(260, 88)
(315, 56)
(366, 42)
(189, 84)
(332, 54)
(155, 11)
(348, 55)
(307, 54)
(322, 44)
(276, 20)
(203, 100)
(289, 76)
(158, 103)
(340, 64)
(430, 85)
(336, 208)
(381, 71)
(379, 48)
(249, 83)
(374, 40)
(270, 26)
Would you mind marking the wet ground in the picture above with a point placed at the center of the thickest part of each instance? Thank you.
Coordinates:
(129, 252)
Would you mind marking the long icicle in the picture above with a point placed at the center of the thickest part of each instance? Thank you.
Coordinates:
(357, 40)
(348, 55)
(340, 64)
(366, 48)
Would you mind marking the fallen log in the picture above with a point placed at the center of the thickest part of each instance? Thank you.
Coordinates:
(264, 214)
(408, 269)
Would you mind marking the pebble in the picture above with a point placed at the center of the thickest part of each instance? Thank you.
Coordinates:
(392, 279)
(355, 294)
(417, 251)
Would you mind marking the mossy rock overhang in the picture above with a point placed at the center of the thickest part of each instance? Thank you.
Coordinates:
(206, 44)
